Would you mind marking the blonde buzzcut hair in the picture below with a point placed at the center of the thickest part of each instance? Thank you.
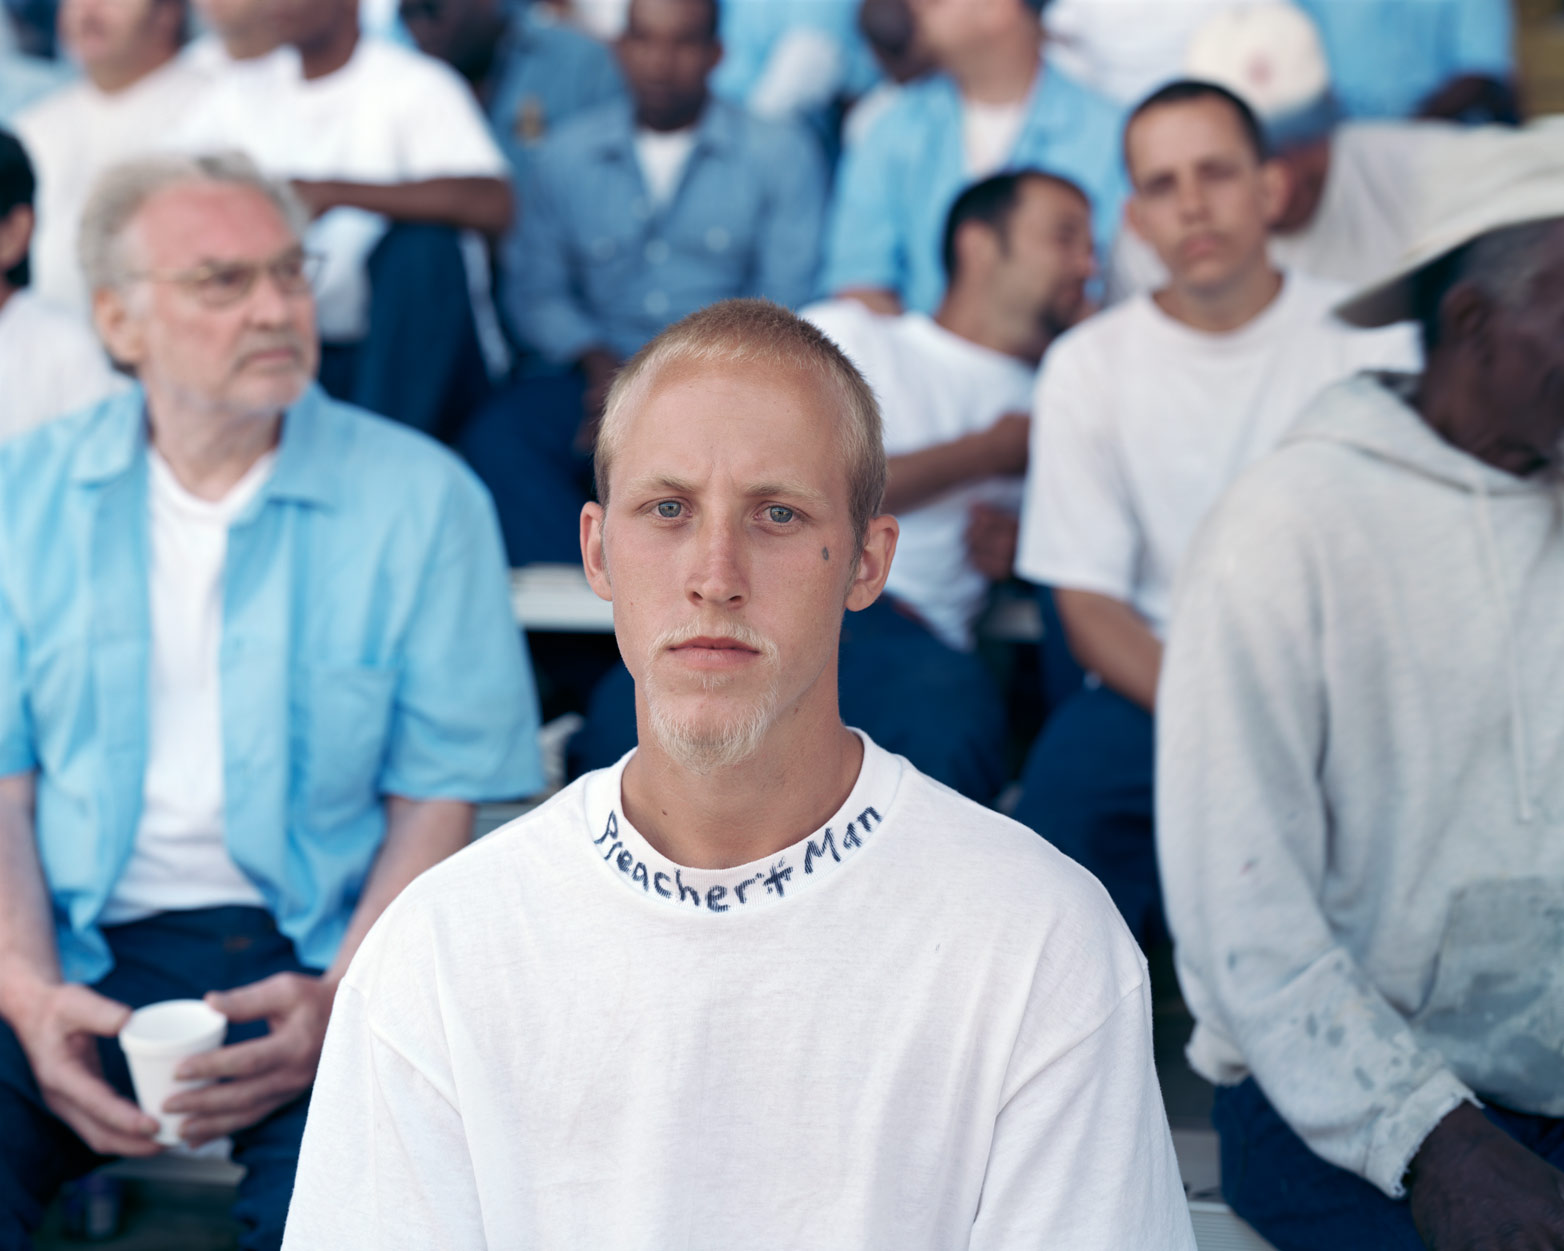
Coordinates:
(743, 332)
(123, 190)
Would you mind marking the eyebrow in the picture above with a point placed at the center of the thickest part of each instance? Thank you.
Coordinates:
(786, 488)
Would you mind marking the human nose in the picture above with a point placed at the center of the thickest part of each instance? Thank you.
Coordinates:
(1191, 198)
(268, 302)
(718, 572)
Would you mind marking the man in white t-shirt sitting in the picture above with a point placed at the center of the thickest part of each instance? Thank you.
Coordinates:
(135, 90)
(762, 983)
(1144, 415)
(391, 154)
(49, 362)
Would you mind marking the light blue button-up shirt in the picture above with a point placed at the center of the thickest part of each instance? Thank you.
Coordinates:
(544, 74)
(368, 649)
(1388, 56)
(896, 185)
(596, 263)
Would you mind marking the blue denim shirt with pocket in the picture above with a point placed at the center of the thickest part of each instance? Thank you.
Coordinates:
(368, 649)
(594, 263)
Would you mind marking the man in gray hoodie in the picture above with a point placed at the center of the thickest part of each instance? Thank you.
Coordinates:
(1360, 813)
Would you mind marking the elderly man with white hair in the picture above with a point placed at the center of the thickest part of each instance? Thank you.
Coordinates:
(256, 665)
(1360, 808)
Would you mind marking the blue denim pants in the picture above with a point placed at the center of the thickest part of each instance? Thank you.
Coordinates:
(174, 955)
(1299, 1202)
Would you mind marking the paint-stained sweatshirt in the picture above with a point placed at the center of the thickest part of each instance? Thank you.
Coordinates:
(1360, 800)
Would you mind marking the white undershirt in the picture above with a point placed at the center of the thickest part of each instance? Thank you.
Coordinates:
(988, 135)
(663, 156)
(180, 859)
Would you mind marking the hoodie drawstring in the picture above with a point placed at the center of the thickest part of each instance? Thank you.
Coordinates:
(1520, 743)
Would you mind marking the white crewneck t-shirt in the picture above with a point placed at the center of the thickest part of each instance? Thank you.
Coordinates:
(662, 156)
(50, 365)
(180, 859)
(918, 1027)
(988, 135)
(933, 386)
(1141, 423)
(72, 136)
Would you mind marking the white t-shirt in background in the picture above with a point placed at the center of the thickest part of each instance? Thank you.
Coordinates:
(933, 387)
(180, 858)
(988, 135)
(390, 115)
(920, 1027)
(663, 154)
(1142, 423)
(50, 365)
(73, 136)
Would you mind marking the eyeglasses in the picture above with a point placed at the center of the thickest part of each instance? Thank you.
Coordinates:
(221, 284)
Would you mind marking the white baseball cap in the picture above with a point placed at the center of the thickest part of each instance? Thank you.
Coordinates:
(1270, 56)
(1476, 182)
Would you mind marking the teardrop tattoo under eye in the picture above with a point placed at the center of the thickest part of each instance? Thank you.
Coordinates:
(825, 553)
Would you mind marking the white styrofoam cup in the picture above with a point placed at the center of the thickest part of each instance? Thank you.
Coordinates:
(155, 1040)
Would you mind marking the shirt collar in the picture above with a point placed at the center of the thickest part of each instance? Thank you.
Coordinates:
(308, 457)
(717, 130)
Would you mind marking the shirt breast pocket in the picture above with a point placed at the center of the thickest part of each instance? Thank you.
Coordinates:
(343, 729)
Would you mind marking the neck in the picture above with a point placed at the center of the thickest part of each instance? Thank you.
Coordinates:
(330, 51)
(1217, 310)
(6, 292)
(782, 793)
(987, 324)
(668, 125)
(113, 79)
(1001, 72)
(248, 45)
(208, 452)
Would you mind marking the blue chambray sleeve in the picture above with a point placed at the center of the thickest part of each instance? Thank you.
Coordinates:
(1484, 40)
(16, 730)
(465, 721)
(864, 246)
(540, 290)
(789, 254)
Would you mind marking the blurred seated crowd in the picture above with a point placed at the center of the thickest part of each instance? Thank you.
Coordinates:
(1296, 540)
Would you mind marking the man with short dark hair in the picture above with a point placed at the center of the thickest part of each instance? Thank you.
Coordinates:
(257, 663)
(1361, 761)
(996, 106)
(636, 214)
(49, 362)
(1143, 416)
(762, 983)
(136, 89)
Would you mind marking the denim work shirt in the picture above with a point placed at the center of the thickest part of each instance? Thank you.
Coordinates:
(896, 185)
(368, 649)
(1388, 56)
(545, 73)
(596, 263)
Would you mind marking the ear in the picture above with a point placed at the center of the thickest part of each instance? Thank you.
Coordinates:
(120, 329)
(16, 232)
(1275, 188)
(593, 558)
(874, 562)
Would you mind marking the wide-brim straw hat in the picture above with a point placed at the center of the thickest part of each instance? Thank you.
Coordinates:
(1474, 183)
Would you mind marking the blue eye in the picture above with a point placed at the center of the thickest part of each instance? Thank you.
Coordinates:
(779, 514)
(669, 508)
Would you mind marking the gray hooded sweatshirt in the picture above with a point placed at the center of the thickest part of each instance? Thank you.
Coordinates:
(1360, 782)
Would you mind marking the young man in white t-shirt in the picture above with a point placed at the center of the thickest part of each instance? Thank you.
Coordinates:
(1145, 414)
(135, 89)
(761, 984)
(391, 154)
(49, 362)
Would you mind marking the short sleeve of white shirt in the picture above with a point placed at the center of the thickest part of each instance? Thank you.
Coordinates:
(1078, 525)
(440, 131)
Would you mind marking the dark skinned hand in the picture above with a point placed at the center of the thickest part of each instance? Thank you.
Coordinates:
(1474, 1188)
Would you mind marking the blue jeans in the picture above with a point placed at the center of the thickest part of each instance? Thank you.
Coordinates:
(421, 363)
(898, 683)
(174, 955)
(1299, 1202)
(1087, 787)
(521, 443)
